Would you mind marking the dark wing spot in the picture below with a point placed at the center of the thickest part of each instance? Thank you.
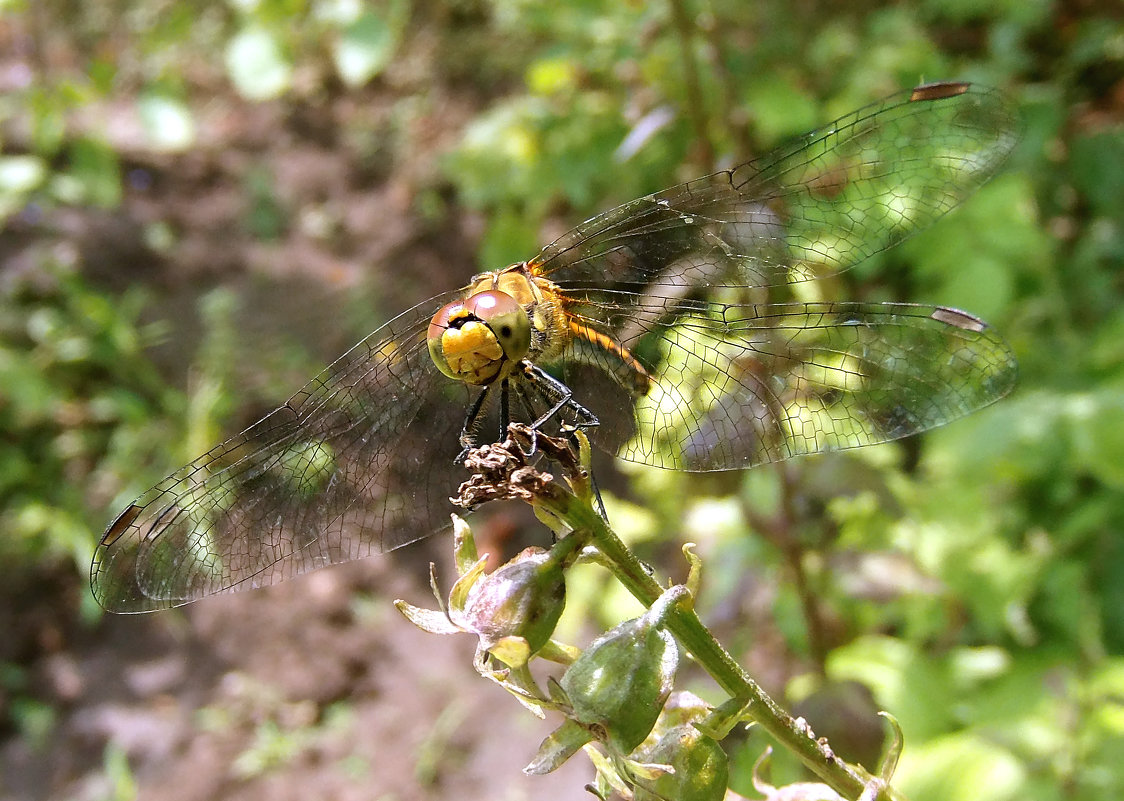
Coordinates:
(938, 91)
(959, 319)
(120, 525)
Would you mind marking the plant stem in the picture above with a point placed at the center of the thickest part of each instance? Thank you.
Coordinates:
(684, 623)
(793, 551)
(693, 86)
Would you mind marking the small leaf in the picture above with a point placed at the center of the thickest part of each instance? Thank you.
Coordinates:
(94, 165)
(508, 234)
(560, 745)
(167, 122)
(514, 651)
(464, 545)
(1098, 435)
(256, 64)
(365, 46)
(964, 766)
(20, 174)
(427, 619)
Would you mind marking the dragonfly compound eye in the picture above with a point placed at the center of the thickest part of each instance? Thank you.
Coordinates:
(480, 338)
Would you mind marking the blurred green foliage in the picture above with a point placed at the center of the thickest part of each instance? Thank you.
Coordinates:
(82, 408)
(122, 784)
(975, 587)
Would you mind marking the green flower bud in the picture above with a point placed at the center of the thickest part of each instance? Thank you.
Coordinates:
(699, 767)
(621, 681)
(523, 598)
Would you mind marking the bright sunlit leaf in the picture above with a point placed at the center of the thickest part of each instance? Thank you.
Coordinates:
(366, 45)
(337, 12)
(19, 174)
(167, 122)
(961, 766)
(256, 64)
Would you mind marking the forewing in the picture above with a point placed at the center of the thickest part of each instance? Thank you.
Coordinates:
(736, 385)
(360, 461)
(814, 207)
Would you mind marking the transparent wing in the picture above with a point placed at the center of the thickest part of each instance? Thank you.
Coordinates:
(360, 461)
(700, 282)
(736, 385)
(816, 206)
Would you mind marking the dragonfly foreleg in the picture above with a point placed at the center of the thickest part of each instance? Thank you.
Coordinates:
(560, 397)
(471, 422)
(553, 390)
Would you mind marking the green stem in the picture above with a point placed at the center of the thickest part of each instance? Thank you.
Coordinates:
(696, 638)
(693, 87)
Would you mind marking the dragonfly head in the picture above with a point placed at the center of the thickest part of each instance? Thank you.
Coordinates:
(480, 338)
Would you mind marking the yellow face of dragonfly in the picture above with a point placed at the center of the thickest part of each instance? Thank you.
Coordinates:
(481, 338)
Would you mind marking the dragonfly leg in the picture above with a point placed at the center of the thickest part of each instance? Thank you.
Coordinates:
(546, 385)
(505, 408)
(471, 420)
(521, 389)
(549, 393)
(541, 391)
(561, 397)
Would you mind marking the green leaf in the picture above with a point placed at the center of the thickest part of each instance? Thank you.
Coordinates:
(903, 679)
(167, 122)
(1098, 435)
(966, 262)
(94, 165)
(430, 620)
(256, 64)
(245, 6)
(780, 109)
(549, 76)
(509, 238)
(366, 45)
(1097, 163)
(19, 174)
(563, 743)
(119, 773)
(961, 766)
(48, 119)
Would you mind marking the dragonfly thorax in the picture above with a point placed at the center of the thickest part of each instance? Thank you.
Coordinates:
(481, 338)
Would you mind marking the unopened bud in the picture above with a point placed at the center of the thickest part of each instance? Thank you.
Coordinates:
(621, 681)
(699, 767)
(523, 598)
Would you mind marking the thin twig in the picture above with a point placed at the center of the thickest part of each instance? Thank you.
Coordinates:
(695, 107)
(793, 551)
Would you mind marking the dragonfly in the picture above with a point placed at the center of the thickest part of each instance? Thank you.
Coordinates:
(687, 329)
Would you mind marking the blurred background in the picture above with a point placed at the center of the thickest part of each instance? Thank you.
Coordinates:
(201, 203)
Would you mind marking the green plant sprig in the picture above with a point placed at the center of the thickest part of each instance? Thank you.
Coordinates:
(501, 472)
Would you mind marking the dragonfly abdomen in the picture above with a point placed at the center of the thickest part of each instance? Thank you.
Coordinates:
(601, 350)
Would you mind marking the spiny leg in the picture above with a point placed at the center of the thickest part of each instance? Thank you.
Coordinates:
(540, 389)
(522, 392)
(559, 396)
(471, 420)
(505, 408)
(546, 385)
